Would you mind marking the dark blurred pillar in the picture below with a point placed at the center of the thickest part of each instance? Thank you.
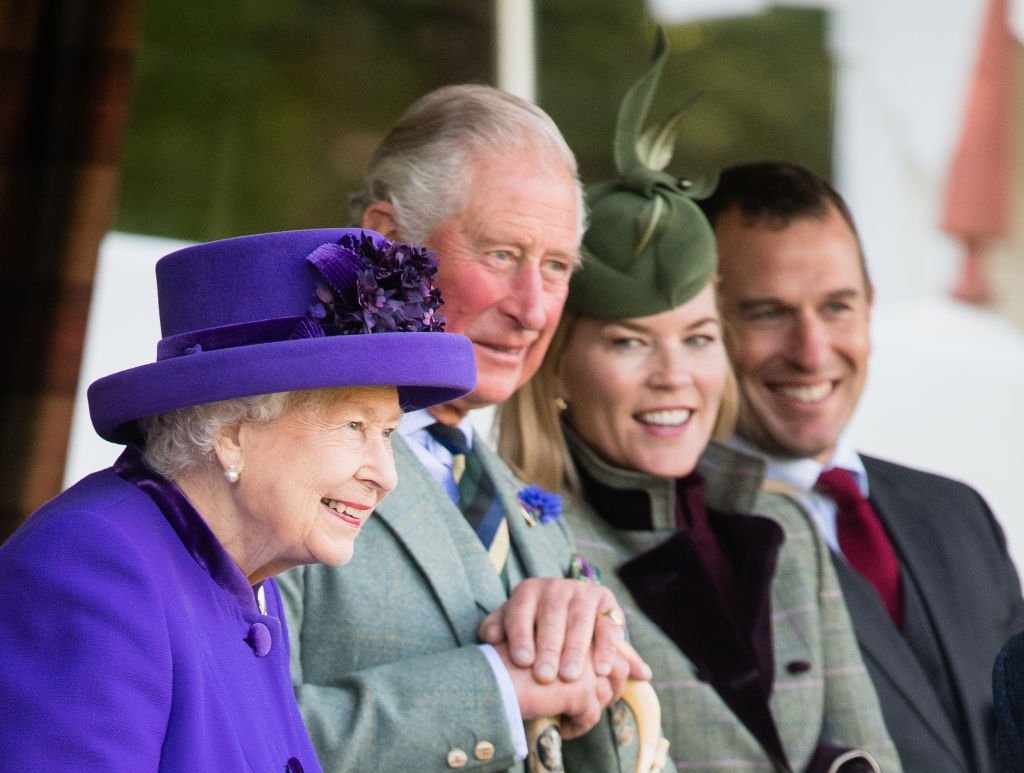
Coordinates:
(65, 85)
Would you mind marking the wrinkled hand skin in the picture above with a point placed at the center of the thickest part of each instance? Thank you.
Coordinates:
(579, 703)
(564, 657)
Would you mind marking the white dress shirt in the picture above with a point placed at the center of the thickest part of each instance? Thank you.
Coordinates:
(802, 474)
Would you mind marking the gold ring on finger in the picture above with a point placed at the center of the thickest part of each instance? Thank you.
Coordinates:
(615, 615)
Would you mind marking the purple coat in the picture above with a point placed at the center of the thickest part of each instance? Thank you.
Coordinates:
(131, 641)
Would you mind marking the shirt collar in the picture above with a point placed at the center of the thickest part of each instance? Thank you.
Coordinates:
(803, 473)
(413, 426)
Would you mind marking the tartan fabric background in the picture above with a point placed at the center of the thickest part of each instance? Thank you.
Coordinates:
(65, 87)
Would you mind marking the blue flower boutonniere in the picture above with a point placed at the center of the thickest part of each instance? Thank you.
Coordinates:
(539, 506)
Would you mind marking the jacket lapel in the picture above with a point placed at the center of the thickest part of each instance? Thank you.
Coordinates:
(671, 588)
(531, 549)
(915, 539)
(875, 631)
(441, 543)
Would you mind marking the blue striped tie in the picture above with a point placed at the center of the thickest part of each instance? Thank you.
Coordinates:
(478, 498)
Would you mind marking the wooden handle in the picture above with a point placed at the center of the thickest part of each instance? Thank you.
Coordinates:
(544, 741)
(544, 744)
(653, 747)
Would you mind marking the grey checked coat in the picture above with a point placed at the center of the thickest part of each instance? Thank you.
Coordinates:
(384, 649)
(821, 694)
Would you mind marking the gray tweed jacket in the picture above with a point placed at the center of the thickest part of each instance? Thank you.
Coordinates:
(820, 693)
(384, 649)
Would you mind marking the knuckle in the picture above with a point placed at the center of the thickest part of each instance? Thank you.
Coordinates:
(551, 614)
(548, 650)
(575, 647)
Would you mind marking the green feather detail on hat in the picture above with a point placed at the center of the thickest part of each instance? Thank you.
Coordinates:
(648, 248)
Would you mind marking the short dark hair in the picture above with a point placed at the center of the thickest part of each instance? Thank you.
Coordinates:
(774, 194)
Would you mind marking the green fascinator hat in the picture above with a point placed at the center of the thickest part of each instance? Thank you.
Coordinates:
(649, 248)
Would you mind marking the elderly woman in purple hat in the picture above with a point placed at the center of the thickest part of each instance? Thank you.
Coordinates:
(141, 628)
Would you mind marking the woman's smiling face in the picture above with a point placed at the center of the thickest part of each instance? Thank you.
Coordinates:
(644, 392)
(310, 479)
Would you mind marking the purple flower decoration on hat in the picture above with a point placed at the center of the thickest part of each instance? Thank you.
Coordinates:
(540, 505)
(374, 286)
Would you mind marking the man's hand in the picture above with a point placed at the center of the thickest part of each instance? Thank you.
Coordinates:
(562, 628)
(578, 703)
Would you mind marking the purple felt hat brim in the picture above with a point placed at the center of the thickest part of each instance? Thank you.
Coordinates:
(244, 280)
(427, 368)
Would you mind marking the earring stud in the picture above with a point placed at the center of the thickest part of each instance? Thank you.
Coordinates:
(561, 404)
(231, 474)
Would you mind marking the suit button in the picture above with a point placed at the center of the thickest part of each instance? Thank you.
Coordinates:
(484, 750)
(457, 758)
(259, 639)
(293, 766)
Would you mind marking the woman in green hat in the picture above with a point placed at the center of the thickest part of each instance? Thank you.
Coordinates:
(729, 592)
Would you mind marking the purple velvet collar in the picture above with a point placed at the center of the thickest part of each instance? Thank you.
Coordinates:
(190, 527)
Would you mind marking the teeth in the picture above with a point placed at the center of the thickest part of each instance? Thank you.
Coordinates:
(504, 349)
(666, 418)
(806, 394)
(342, 508)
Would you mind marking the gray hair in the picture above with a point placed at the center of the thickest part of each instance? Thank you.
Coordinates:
(181, 441)
(422, 166)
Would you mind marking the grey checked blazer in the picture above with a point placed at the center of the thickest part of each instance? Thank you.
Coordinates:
(821, 691)
(384, 658)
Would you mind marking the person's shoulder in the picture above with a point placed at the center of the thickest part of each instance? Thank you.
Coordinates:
(1008, 674)
(504, 477)
(94, 508)
(780, 502)
(901, 474)
(583, 519)
(779, 497)
(100, 528)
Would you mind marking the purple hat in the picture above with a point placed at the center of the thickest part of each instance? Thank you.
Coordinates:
(287, 311)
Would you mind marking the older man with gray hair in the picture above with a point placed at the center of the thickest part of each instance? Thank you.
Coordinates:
(456, 621)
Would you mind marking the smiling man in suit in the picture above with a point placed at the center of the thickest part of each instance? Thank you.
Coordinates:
(423, 655)
(921, 560)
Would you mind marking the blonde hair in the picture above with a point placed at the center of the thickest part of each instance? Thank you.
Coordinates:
(531, 439)
(530, 436)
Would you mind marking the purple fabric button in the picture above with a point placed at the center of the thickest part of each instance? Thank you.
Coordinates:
(293, 766)
(259, 639)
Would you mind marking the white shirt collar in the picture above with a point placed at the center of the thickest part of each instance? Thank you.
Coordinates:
(432, 455)
(803, 472)
(413, 426)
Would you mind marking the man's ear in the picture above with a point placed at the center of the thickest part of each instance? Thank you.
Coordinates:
(380, 217)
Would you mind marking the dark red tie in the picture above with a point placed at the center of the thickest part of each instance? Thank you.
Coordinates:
(862, 539)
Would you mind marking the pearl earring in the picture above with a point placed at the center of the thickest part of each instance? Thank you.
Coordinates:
(561, 404)
(231, 474)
